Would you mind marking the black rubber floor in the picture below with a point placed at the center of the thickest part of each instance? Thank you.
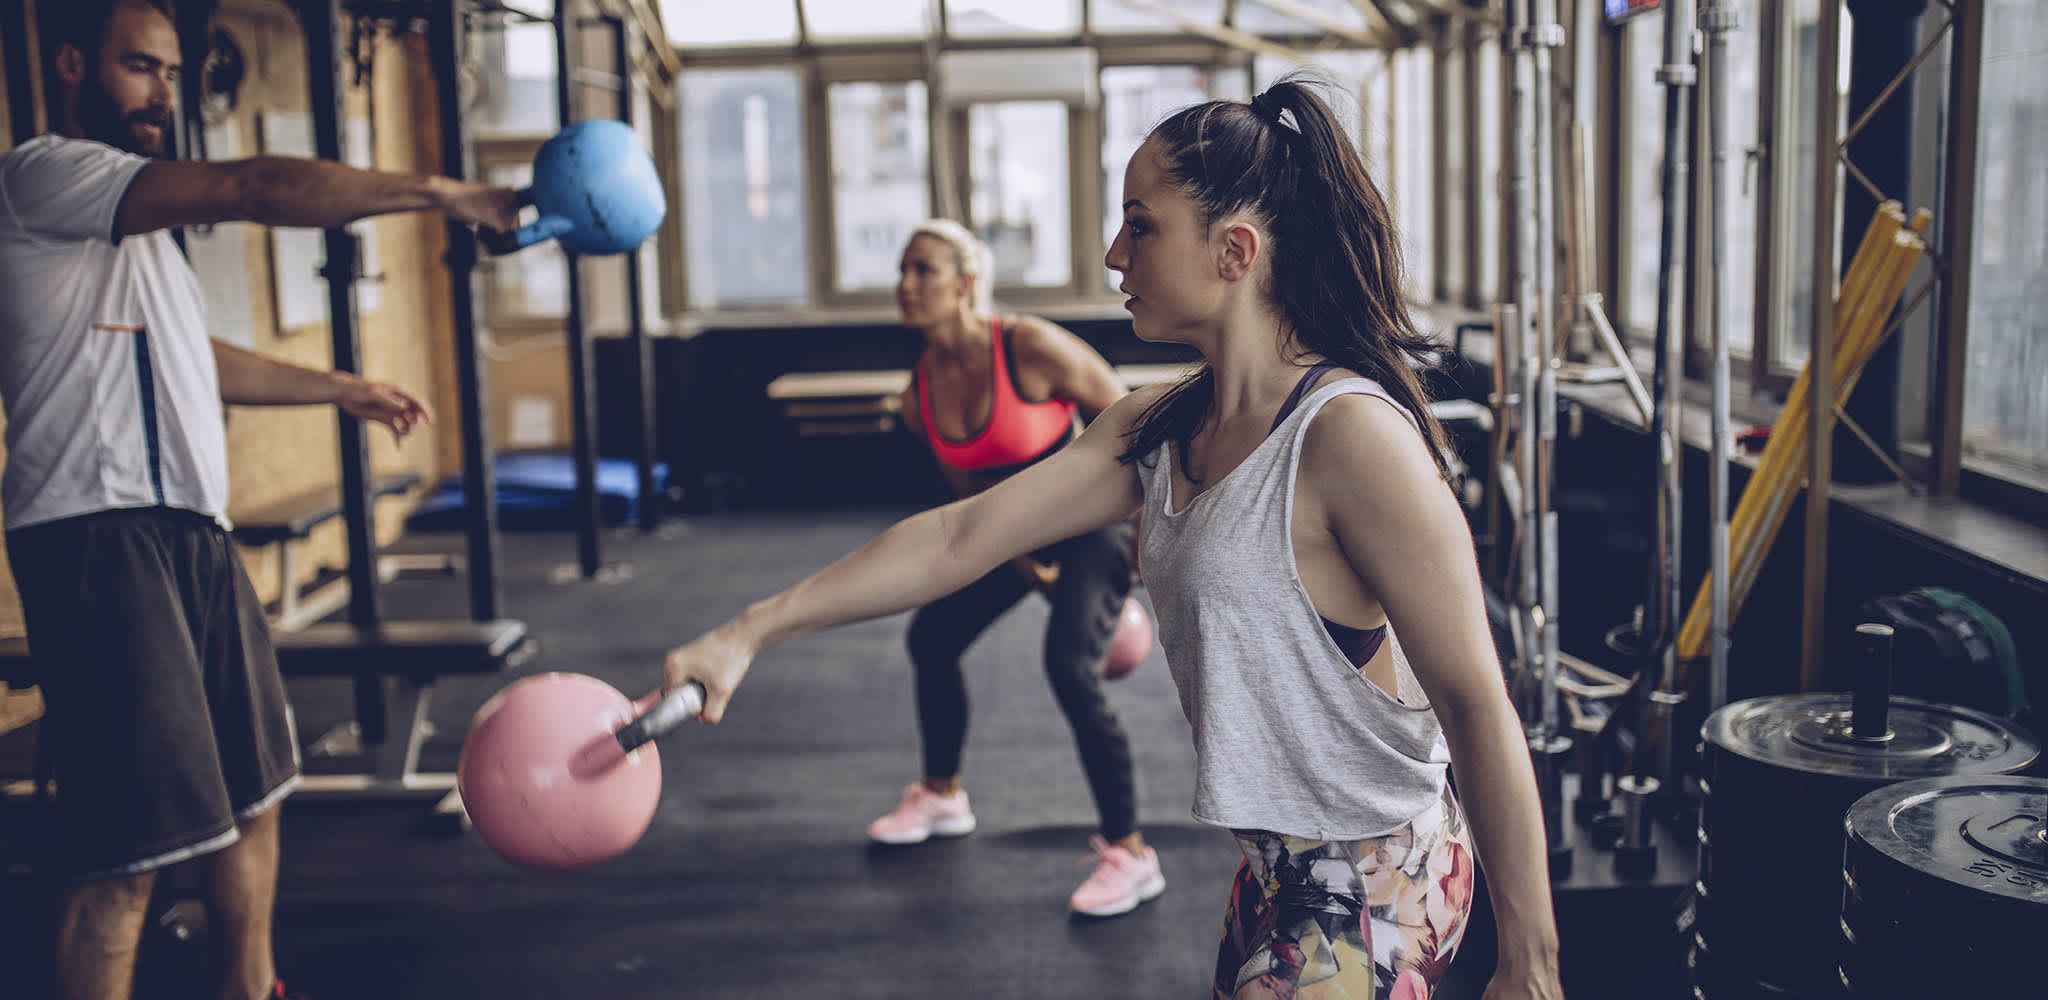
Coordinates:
(755, 879)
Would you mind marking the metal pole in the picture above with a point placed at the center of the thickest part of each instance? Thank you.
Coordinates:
(1718, 19)
(1958, 221)
(636, 321)
(1678, 75)
(1820, 359)
(21, 60)
(319, 19)
(1550, 747)
(1545, 34)
(445, 40)
(1516, 339)
(582, 394)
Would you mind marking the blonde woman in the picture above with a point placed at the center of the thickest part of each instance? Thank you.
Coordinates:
(994, 394)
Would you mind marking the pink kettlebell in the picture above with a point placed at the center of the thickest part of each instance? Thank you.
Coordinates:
(1132, 642)
(545, 780)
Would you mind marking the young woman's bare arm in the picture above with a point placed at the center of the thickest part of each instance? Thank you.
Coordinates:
(1401, 529)
(925, 557)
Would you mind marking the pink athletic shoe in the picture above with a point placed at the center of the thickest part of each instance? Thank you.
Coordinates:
(922, 815)
(1120, 882)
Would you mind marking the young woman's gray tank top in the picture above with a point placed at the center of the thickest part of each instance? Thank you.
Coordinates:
(1289, 736)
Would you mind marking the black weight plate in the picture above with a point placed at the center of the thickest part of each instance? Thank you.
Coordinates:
(1748, 935)
(1810, 733)
(1953, 849)
(1935, 948)
(1869, 975)
(1717, 978)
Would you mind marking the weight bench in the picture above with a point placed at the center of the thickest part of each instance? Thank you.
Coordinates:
(849, 403)
(413, 654)
(286, 522)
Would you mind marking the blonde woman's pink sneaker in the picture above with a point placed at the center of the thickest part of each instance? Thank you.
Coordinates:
(923, 814)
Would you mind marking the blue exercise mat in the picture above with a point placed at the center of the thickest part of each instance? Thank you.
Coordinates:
(537, 490)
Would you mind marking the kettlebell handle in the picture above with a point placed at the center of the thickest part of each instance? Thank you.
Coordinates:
(546, 227)
(678, 707)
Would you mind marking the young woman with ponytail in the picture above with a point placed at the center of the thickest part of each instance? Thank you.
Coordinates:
(1296, 520)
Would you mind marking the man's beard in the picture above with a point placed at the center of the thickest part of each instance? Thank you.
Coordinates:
(102, 121)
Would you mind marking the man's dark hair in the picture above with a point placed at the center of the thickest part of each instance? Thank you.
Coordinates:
(83, 23)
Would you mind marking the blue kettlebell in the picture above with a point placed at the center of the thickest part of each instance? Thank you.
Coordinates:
(596, 190)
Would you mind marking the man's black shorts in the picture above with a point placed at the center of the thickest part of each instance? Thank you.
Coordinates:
(165, 717)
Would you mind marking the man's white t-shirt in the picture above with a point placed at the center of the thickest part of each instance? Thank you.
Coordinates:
(106, 368)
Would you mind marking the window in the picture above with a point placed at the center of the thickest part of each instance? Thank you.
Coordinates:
(1744, 102)
(1135, 99)
(516, 77)
(1642, 175)
(1112, 16)
(1792, 312)
(1258, 19)
(743, 188)
(535, 281)
(1012, 18)
(1413, 176)
(880, 178)
(1018, 189)
(1346, 72)
(1486, 164)
(1454, 263)
(2005, 394)
(867, 19)
(717, 22)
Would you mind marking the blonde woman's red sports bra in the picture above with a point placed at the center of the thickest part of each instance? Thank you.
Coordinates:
(1018, 431)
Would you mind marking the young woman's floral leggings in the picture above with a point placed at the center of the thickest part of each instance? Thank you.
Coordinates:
(1375, 919)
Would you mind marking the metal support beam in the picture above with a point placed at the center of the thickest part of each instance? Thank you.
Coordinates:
(24, 62)
(1821, 355)
(582, 388)
(321, 21)
(636, 329)
(1718, 19)
(445, 42)
(1958, 240)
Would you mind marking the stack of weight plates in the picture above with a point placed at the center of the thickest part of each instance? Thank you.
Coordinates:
(1945, 889)
(1779, 774)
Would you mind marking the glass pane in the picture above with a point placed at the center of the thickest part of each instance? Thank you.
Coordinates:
(1413, 176)
(1109, 15)
(718, 22)
(743, 188)
(1455, 274)
(1135, 99)
(880, 182)
(1739, 188)
(1009, 18)
(1642, 174)
(1343, 70)
(2005, 389)
(1375, 128)
(1486, 154)
(1255, 17)
(516, 79)
(1018, 187)
(1793, 316)
(843, 19)
(534, 281)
